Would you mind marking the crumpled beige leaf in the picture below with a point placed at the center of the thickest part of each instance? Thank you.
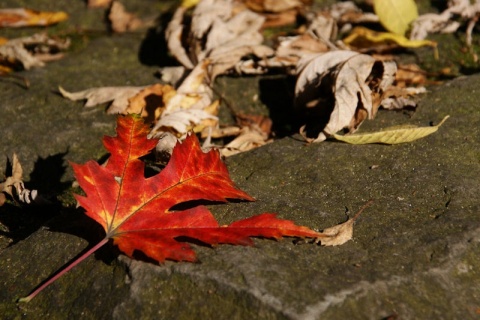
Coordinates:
(276, 5)
(32, 51)
(339, 234)
(22, 17)
(173, 34)
(119, 97)
(219, 33)
(194, 91)
(184, 120)
(347, 13)
(445, 22)
(344, 87)
(150, 102)
(14, 184)
(394, 135)
(250, 137)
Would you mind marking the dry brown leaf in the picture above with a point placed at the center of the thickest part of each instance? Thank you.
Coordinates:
(150, 102)
(291, 49)
(121, 20)
(264, 123)
(446, 22)
(181, 121)
(22, 17)
(410, 75)
(342, 88)
(250, 137)
(32, 51)
(276, 5)
(194, 92)
(278, 13)
(347, 13)
(3, 199)
(218, 33)
(98, 3)
(215, 133)
(119, 97)
(280, 19)
(13, 185)
(173, 34)
(339, 234)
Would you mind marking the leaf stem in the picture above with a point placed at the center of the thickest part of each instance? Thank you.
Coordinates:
(63, 271)
(366, 205)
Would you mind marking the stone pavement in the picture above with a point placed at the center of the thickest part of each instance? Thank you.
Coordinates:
(415, 253)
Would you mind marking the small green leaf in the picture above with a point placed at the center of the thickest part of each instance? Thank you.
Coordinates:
(396, 15)
(392, 135)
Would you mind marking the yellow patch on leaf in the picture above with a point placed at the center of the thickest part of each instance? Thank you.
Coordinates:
(22, 17)
(362, 37)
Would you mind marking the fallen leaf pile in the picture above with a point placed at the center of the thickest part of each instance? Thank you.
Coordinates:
(31, 51)
(344, 70)
(139, 213)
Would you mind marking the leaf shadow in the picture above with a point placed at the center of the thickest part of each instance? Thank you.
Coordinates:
(73, 221)
(277, 93)
(314, 104)
(21, 220)
(153, 49)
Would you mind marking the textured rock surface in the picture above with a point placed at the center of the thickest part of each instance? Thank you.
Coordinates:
(415, 252)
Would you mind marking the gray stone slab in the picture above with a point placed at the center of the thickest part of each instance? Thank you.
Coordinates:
(415, 252)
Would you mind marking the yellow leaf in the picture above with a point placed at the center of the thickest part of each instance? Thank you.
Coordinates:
(390, 136)
(187, 4)
(396, 15)
(361, 34)
(27, 17)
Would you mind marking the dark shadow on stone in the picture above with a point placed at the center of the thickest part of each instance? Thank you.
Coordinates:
(468, 71)
(153, 49)
(440, 5)
(75, 222)
(315, 104)
(195, 203)
(22, 220)
(277, 92)
(47, 174)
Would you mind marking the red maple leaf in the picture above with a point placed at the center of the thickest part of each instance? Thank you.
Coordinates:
(135, 211)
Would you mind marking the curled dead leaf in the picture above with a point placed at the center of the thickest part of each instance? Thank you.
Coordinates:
(150, 102)
(446, 21)
(119, 97)
(217, 32)
(339, 90)
(32, 51)
(250, 137)
(14, 186)
(339, 234)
